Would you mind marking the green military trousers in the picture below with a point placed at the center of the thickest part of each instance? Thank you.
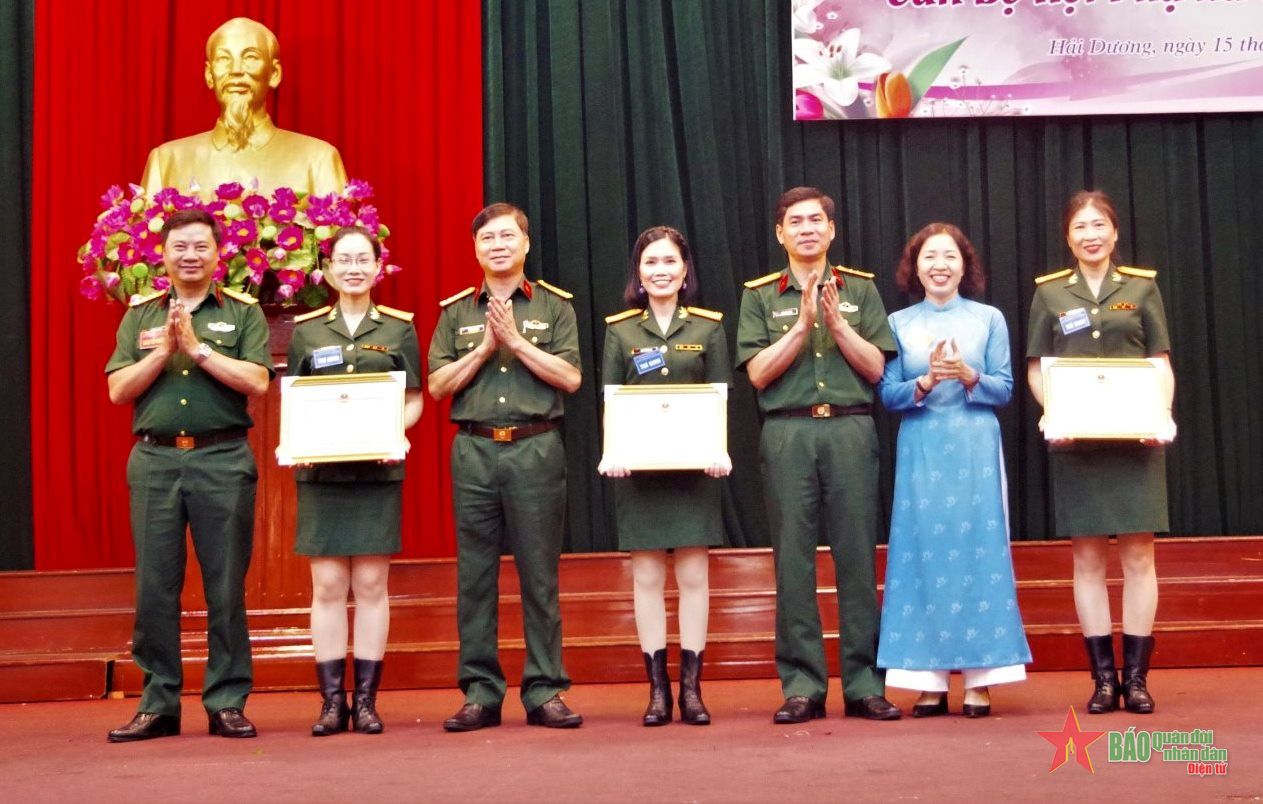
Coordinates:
(210, 491)
(821, 475)
(512, 492)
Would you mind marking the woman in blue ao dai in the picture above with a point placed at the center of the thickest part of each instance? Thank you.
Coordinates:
(950, 598)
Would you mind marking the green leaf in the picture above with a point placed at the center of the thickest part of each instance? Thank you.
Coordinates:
(301, 260)
(382, 231)
(312, 295)
(928, 68)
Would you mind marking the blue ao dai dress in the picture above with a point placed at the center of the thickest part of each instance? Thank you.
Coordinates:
(950, 599)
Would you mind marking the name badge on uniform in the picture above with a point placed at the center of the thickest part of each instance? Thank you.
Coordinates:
(150, 338)
(326, 356)
(689, 347)
(221, 326)
(374, 347)
(471, 329)
(649, 361)
(848, 307)
(786, 312)
(528, 325)
(1074, 320)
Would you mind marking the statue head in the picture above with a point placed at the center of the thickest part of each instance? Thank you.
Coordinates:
(242, 65)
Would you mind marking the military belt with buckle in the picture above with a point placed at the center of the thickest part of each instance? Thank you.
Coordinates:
(186, 441)
(824, 411)
(509, 433)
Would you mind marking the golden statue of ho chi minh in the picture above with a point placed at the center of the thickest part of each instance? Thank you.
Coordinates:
(242, 66)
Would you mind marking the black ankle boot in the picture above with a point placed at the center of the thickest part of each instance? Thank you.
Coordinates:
(1136, 653)
(368, 675)
(1104, 675)
(334, 713)
(658, 713)
(692, 710)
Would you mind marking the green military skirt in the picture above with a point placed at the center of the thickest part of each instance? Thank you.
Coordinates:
(1109, 488)
(349, 519)
(662, 510)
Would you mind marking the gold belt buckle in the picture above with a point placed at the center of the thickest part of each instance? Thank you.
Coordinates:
(502, 433)
(821, 411)
(184, 442)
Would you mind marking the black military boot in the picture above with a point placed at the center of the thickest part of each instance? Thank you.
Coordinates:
(1104, 674)
(1136, 653)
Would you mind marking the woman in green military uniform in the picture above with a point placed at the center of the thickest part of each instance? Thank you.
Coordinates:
(661, 341)
(1101, 310)
(348, 513)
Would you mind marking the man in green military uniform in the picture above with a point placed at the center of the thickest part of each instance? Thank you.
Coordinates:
(813, 340)
(188, 358)
(506, 353)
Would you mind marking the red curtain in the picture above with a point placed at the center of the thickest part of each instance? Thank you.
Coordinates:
(395, 86)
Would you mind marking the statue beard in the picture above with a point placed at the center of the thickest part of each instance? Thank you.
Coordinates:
(239, 122)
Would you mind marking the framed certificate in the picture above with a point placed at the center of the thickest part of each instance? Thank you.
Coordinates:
(654, 427)
(1118, 399)
(354, 417)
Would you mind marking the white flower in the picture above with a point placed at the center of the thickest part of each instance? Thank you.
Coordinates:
(836, 68)
(804, 17)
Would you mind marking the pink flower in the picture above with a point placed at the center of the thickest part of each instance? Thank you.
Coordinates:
(229, 249)
(161, 283)
(320, 209)
(256, 277)
(91, 287)
(128, 253)
(112, 196)
(807, 106)
(358, 189)
(291, 276)
(317, 277)
(240, 232)
(166, 197)
(256, 206)
(150, 245)
(285, 196)
(221, 272)
(282, 213)
(290, 238)
(230, 191)
(285, 292)
(278, 255)
(257, 261)
(111, 279)
(368, 218)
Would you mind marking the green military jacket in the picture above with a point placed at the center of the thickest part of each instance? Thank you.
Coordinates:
(694, 350)
(504, 391)
(184, 399)
(819, 373)
(1128, 320)
(385, 340)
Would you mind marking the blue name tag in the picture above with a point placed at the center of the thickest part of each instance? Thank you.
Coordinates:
(1074, 320)
(649, 361)
(326, 356)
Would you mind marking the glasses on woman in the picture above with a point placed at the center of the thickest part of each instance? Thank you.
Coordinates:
(363, 261)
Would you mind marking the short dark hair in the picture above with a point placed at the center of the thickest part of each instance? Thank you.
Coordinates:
(347, 231)
(190, 217)
(1088, 198)
(497, 210)
(796, 195)
(972, 282)
(634, 293)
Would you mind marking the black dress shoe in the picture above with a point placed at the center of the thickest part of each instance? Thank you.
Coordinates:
(231, 722)
(146, 726)
(873, 707)
(976, 710)
(472, 717)
(931, 710)
(798, 709)
(554, 714)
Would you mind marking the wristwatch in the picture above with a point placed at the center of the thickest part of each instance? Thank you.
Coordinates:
(203, 351)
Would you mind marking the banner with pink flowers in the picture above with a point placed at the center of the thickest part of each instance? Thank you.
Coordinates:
(857, 59)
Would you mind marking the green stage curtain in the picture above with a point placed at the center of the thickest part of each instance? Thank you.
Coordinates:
(16, 26)
(604, 117)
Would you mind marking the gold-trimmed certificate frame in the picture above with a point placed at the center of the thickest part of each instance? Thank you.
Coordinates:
(1104, 398)
(332, 419)
(664, 427)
